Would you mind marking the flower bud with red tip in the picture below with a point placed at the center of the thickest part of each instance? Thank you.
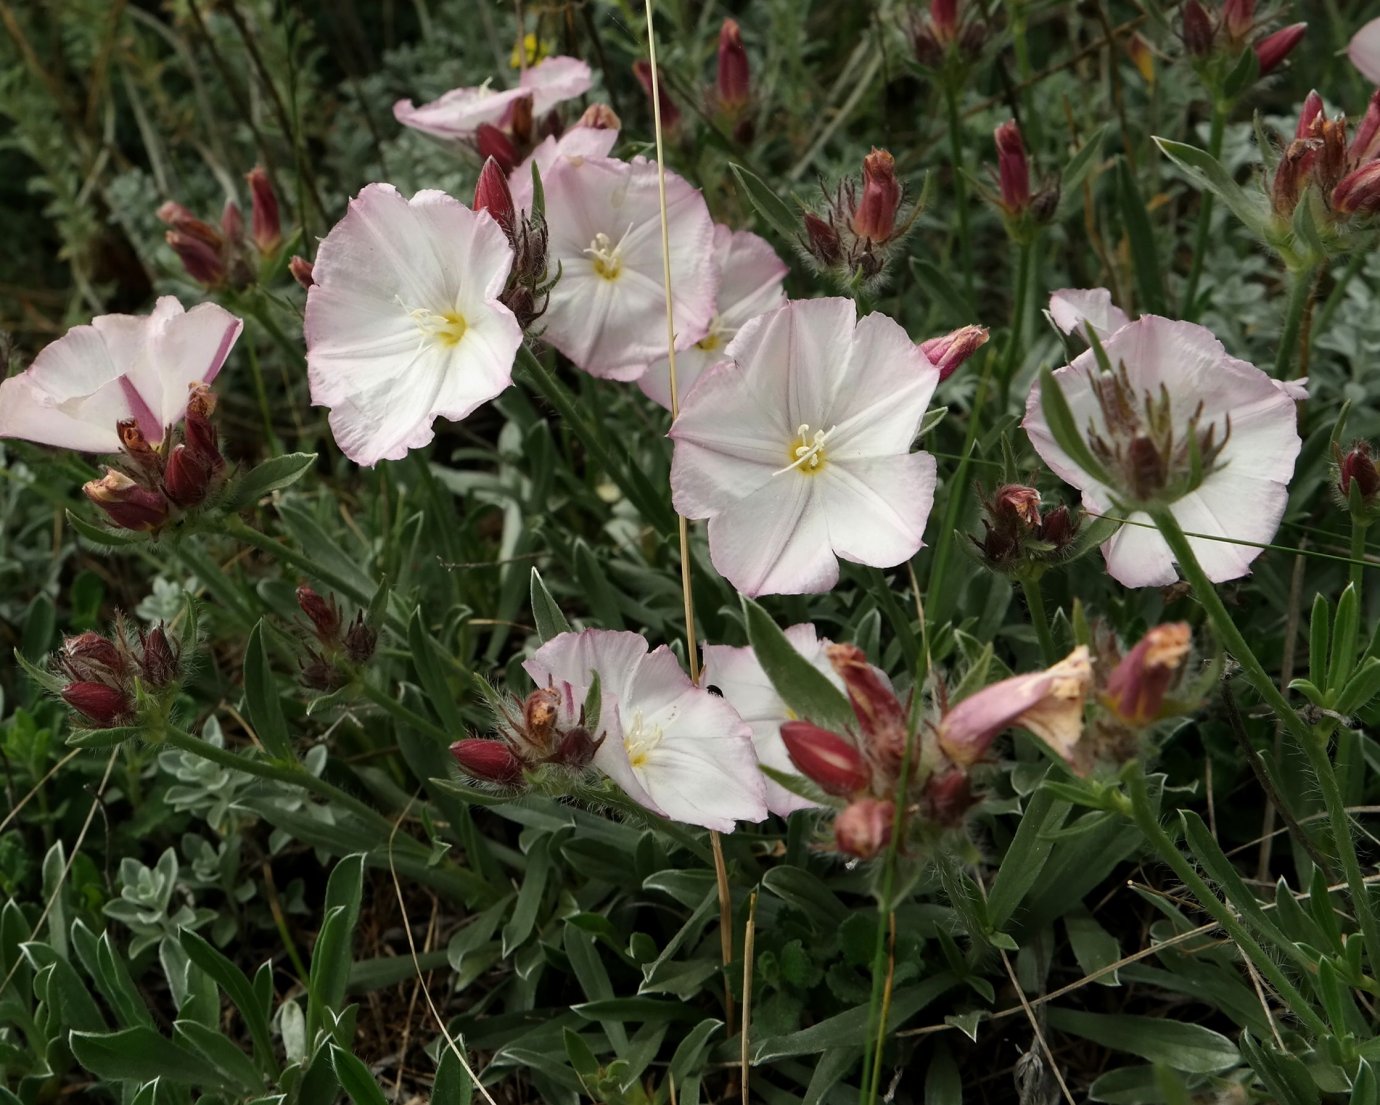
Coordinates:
(944, 20)
(1366, 145)
(822, 240)
(323, 612)
(540, 713)
(1358, 193)
(882, 716)
(360, 641)
(89, 657)
(301, 270)
(102, 705)
(875, 216)
(186, 479)
(670, 114)
(492, 194)
(1135, 690)
(127, 504)
(1238, 17)
(948, 351)
(158, 666)
(489, 760)
(863, 829)
(1358, 467)
(201, 261)
(266, 220)
(493, 145)
(826, 759)
(1198, 31)
(1312, 109)
(733, 87)
(1013, 169)
(1271, 50)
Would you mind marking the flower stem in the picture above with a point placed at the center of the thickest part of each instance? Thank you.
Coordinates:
(1358, 556)
(965, 241)
(1187, 306)
(241, 530)
(1039, 618)
(1314, 746)
(1011, 355)
(408, 717)
(1138, 809)
(1300, 291)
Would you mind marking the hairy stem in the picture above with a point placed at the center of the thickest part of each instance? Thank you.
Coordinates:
(1039, 618)
(1300, 291)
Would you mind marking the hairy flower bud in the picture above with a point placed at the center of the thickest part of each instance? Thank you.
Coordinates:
(1366, 145)
(520, 121)
(1238, 17)
(127, 504)
(201, 261)
(1358, 467)
(301, 270)
(492, 194)
(490, 760)
(576, 749)
(1308, 115)
(1058, 528)
(733, 85)
(1135, 690)
(825, 758)
(1016, 504)
(105, 706)
(360, 641)
(882, 716)
(267, 223)
(948, 795)
(493, 145)
(1013, 170)
(232, 224)
(540, 712)
(159, 663)
(1291, 175)
(950, 350)
(187, 478)
(875, 216)
(144, 457)
(89, 657)
(822, 240)
(1198, 32)
(670, 114)
(1358, 193)
(864, 828)
(944, 20)
(1271, 50)
(322, 612)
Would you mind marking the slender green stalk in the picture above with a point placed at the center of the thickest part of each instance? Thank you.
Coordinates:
(402, 713)
(965, 241)
(1313, 747)
(271, 441)
(1358, 559)
(1011, 355)
(297, 775)
(1039, 618)
(1187, 306)
(1138, 809)
(236, 528)
(1300, 291)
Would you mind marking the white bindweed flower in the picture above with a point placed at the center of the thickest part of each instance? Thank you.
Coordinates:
(607, 313)
(403, 320)
(118, 368)
(671, 746)
(462, 111)
(1174, 392)
(577, 142)
(750, 284)
(739, 675)
(797, 448)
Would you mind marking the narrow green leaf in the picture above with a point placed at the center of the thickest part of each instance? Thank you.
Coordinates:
(104, 738)
(1063, 427)
(261, 698)
(1319, 638)
(768, 204)
(355, 1078)
(1346, 626)
(547, 616)
(44, 678)
(103, 537)
(1243, 75)
(805, 689)
(272, 475)
(1026, 856)
(220, 1052)
(1363, 686)
(524, 917)
(1145, 259)
(1178, 1045)
(427, 663)
(1206, 172)
(233, 981)
(141, 1054)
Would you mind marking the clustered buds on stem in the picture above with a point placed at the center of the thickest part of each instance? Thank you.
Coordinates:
(336, 642)
(1216, 41)
(529, 283)
(1343, 178)
(1022, 207)
(154, 486)
(854, 233)
(223, 258)
(1358, 479)
(945, 38)
(105, 675)
(531, 736)
(1017, 535)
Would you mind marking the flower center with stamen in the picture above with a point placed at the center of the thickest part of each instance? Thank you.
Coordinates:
(445, 328)
(606, 255)
(639, 739)
(806, 452)
(716, 339)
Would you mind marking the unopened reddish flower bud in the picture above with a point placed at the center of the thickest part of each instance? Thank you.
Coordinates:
(881, 715)
(822, 240)
(1013, 502)
(98, 703)
(126, 503)
(944, 19)
(600, 117)
(875, 216)
(187, 478)
(733, 82)
(540, 712)
(493, 145)
(1366, 145)
(268, 227)
(1058, 527)
(1198, 32)
(947, 797)
(197, 429)
(1271, 50)
(948, 351)
(91, 653)
(322, 612)
(576, 749)
(159, 665)
(1312, 109)
(360, 641)
(232, 223)
(301, 270)
(864, 828)
(670, 114)
(490, 760)
(1291, 175)
(1359, 191)
(825, 758)
(1136, 688)
(202, 261)
(1238, 17)
(520, 121)
(492, 194)
(1013, 170)
(928, 50)
(1358, 466)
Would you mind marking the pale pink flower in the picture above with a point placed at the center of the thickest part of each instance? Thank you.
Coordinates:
(747, 688)
(1074, 308)
(607, 313)
(461, 111)
(117, 368)
(797, 448)
(577, 142)
(750, 284)
(403, 320)
(1049, 703)
(671, 746)
(1364, 51)
(1174, 382)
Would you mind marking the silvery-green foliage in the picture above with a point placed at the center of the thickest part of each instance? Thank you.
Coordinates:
(153, 903)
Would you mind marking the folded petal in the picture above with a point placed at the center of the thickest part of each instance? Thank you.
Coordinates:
(876, 508)
(774, 542)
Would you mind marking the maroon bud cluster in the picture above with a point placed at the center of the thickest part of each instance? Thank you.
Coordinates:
(529, 283)
(104, 673)
(1017, 534)
(532, 734)
(856, 229)
(1218, 39)
(227, 257)
(1356, 469)
(946, 36)
(335, 640)
(154, 485)
(1022, 205)
(1345, 174)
